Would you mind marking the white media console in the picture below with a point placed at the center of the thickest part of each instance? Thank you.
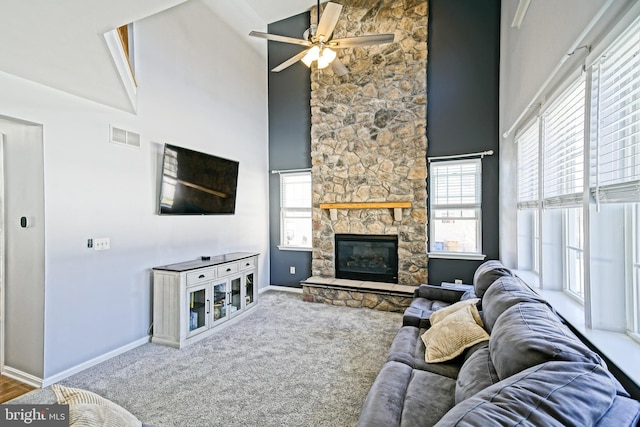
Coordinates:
(191, 298)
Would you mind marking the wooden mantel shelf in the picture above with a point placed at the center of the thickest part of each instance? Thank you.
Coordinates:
(396, 206)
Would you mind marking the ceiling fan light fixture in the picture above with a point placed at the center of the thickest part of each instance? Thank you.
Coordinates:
(328, 54)
(323, 63)
(312, 55)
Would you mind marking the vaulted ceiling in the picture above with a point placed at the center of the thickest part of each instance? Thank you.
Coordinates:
(60, 43)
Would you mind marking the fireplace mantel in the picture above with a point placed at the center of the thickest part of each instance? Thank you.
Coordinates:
(396, 206)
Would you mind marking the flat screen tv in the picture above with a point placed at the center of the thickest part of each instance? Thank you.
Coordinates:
(195, 183)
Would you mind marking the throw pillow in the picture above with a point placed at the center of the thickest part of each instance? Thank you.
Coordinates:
(452, 335)
(441, 313)
(88, 409)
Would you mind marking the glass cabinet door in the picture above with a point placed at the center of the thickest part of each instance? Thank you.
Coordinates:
(249, 290)
(236, 301)
(198, 309)
(219, 302)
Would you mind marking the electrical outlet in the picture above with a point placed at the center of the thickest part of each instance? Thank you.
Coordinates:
(102, 244)
(292, 270)
(458, 282)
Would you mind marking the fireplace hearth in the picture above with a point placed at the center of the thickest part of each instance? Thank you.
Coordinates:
(367, 257)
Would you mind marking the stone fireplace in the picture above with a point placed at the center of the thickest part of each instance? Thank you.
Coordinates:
(368, 138)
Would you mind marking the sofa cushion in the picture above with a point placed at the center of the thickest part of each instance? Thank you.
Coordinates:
(419, 311)
(407, 347)
(476, 373)
(528, 334)
(487, 273)
(550, 394)
(504, 293)
(404, 396)
(449, 337)
(438, 315)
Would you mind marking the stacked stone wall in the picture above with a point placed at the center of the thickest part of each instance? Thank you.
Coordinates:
(368, 134)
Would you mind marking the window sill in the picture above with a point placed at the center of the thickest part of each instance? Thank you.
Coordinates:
(294, 248)
(456, 255)
(619, 347)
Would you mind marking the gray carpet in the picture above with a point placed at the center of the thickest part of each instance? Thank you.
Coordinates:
(284, 363)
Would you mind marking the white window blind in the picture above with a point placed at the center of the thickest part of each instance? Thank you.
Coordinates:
(615, 119)
(563, 148)
(295, 210)
(456, 183)
(528, 155)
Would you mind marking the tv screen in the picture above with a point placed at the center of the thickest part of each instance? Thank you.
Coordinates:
(195, 183)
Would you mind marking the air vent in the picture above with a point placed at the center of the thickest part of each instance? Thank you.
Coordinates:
(125, 137)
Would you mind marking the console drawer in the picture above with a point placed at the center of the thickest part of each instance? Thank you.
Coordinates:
(201, 276)
(227, 269)
(248, 263)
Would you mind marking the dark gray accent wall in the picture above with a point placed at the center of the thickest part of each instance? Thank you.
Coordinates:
(462, 117)
(289, 140)
(462, 111)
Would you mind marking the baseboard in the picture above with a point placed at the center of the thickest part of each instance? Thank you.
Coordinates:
(23, 377)
(90, 363)
(280, 288)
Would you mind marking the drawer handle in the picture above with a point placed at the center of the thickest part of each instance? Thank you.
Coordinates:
(228, 269)
(201, 276)
(247, 264)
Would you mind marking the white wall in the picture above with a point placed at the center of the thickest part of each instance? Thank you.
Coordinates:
(200, 86)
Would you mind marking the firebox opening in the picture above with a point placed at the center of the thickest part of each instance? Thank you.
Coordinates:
(367, 257)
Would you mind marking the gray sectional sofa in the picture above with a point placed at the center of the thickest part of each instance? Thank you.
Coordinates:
(532, 370)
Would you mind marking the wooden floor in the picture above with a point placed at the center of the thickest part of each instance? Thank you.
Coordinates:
(10, 388)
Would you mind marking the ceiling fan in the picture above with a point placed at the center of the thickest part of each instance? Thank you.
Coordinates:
(320, 46)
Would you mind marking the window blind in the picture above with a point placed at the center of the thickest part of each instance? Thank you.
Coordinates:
(615, 119)
(563, 148)
(527, 141)
(295, 190)
(456, 184)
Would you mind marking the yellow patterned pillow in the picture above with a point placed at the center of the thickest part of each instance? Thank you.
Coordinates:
(453, 334)
(438, 315)
(88, 409)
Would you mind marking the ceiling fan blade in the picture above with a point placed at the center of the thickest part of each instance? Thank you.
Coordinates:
(328, 21)
(289, 62)
(339, 68)
(282, 39)
(360, 41)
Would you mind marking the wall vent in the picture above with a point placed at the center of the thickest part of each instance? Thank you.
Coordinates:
(124, 137)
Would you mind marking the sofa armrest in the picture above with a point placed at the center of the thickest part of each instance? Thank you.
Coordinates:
(435, 292)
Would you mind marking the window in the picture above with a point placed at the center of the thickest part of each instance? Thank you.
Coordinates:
(455, 201)
(125, 35)
(528, 146)
(615, 151)
(574, 252)
(121, 46)
(295, 210)
(563, 175)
